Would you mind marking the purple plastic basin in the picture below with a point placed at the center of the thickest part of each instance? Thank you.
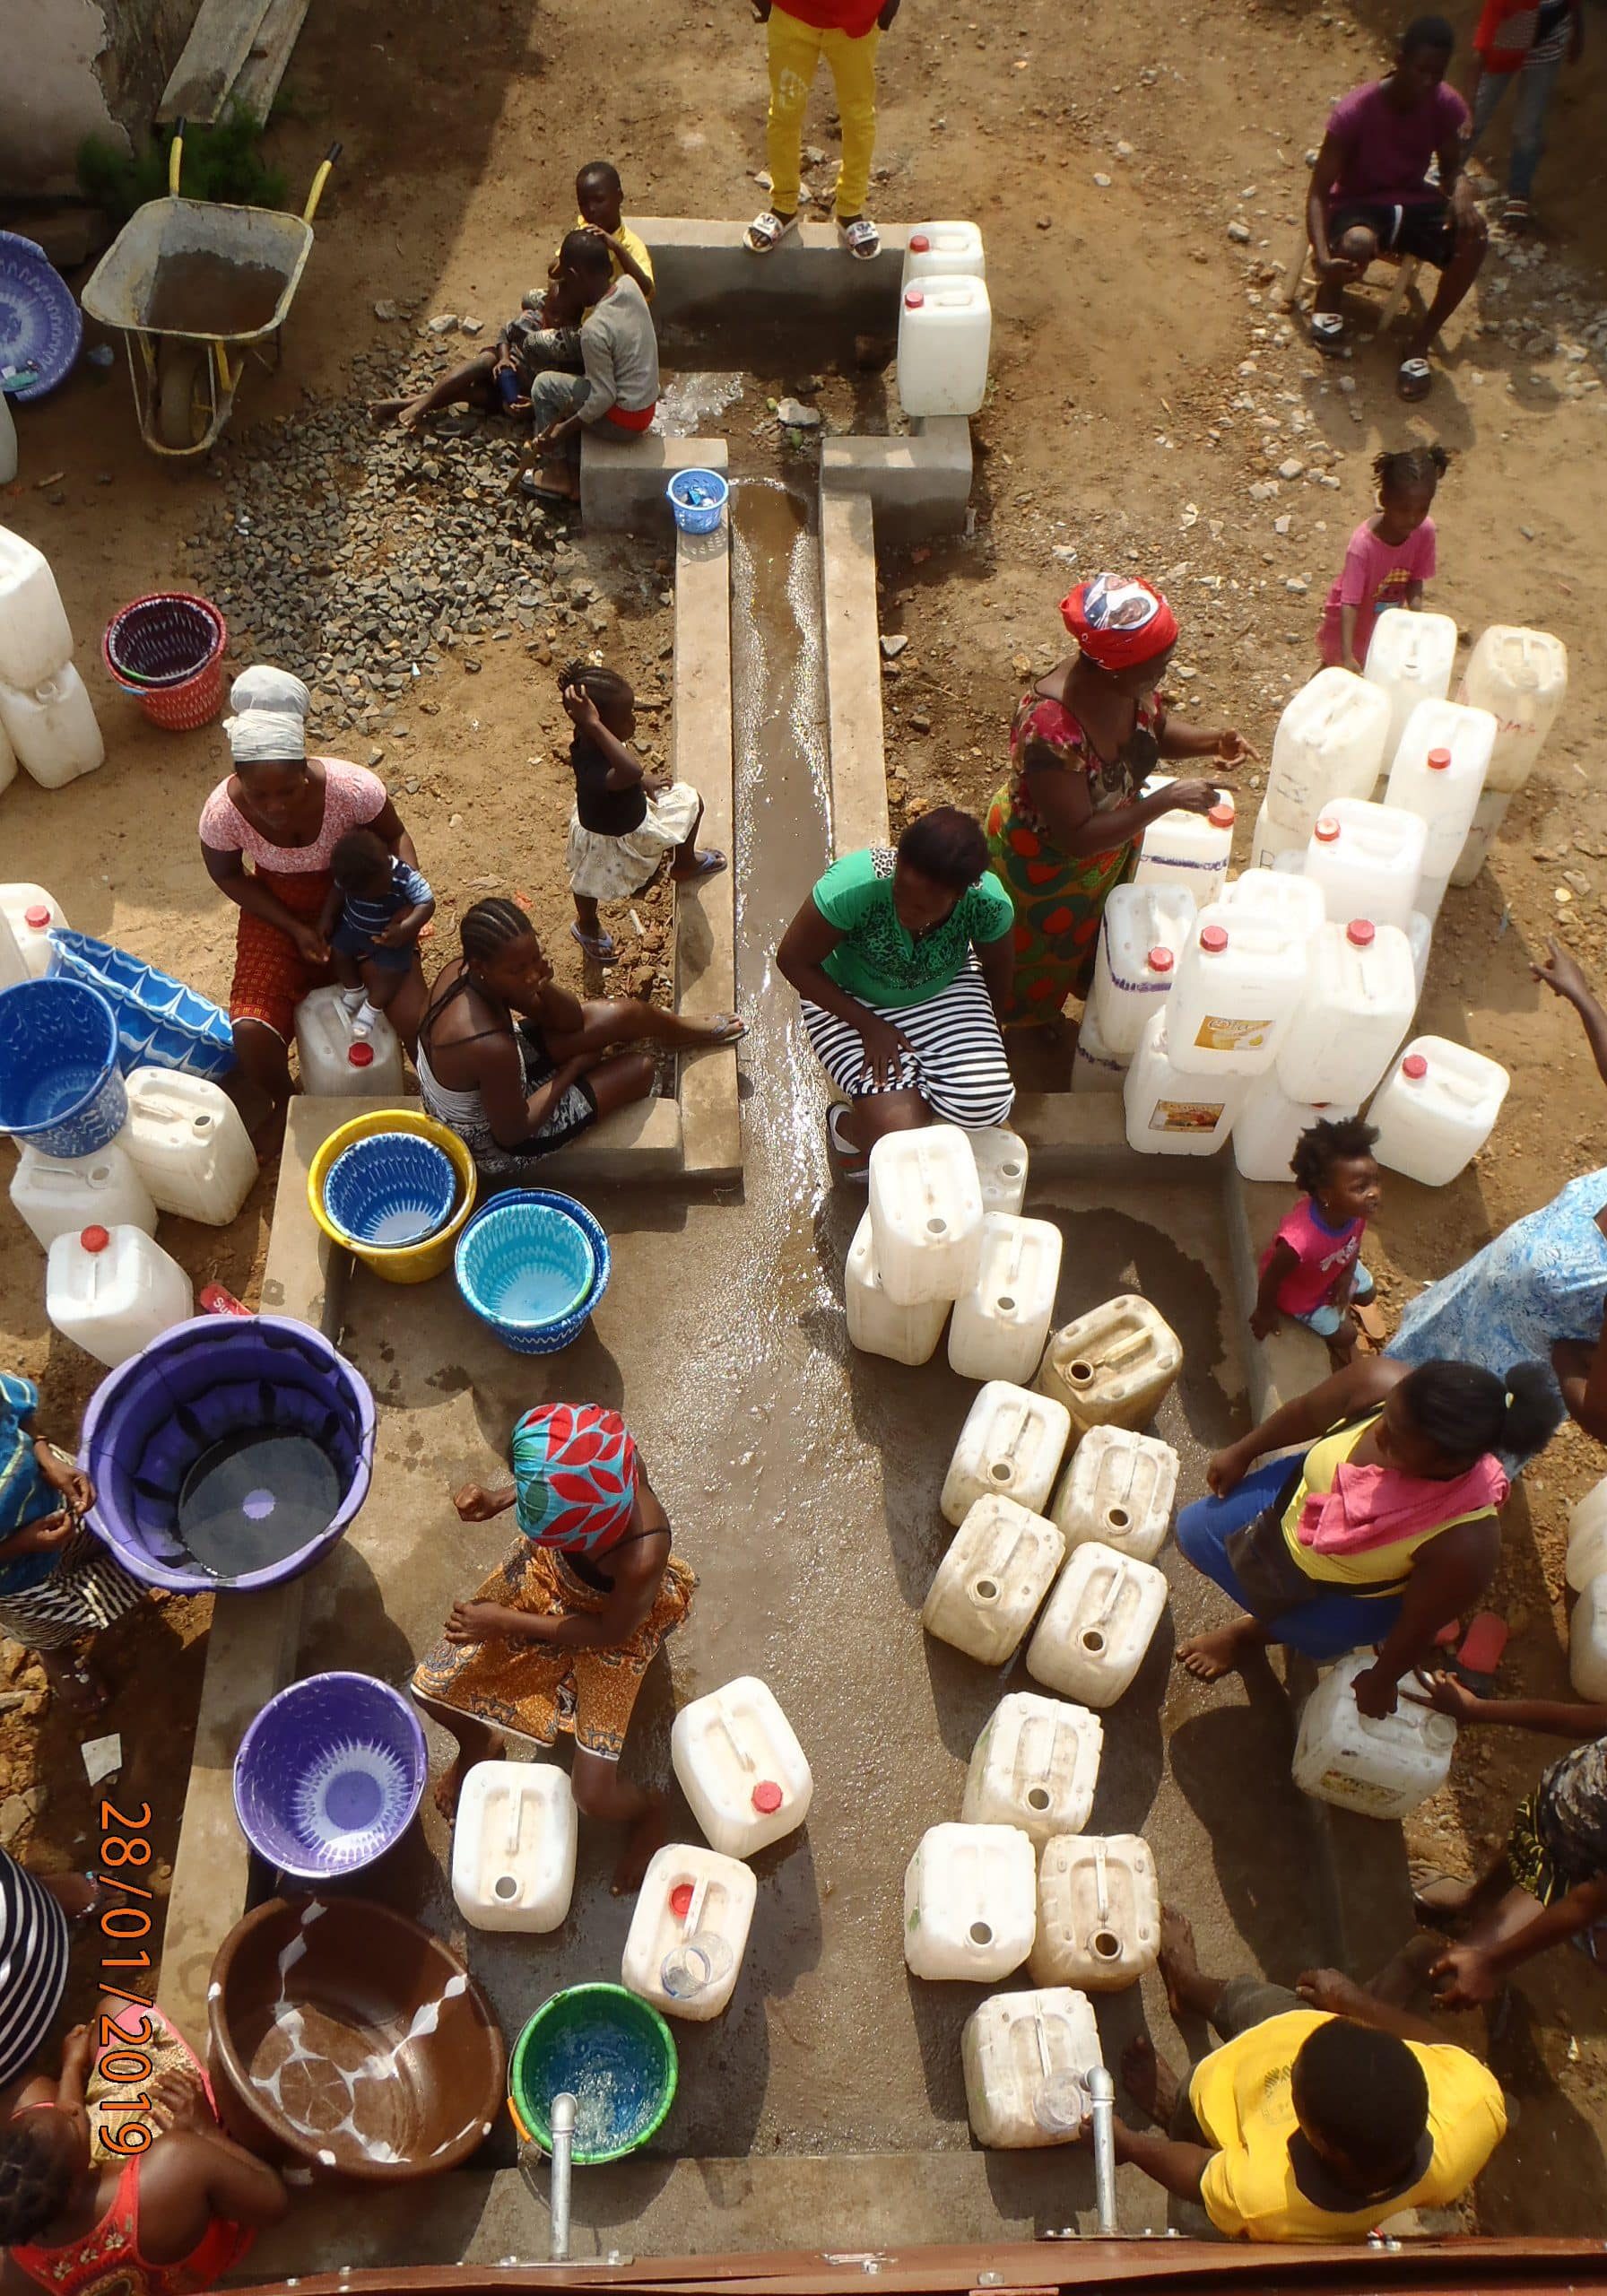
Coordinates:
(329, 1775)
(206, 1384)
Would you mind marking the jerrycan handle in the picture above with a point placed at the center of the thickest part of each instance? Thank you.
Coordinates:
(744, 1760)
(1102, 1885)
(516, 1811)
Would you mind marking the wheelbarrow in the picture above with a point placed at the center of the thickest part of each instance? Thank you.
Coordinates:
(198, 288)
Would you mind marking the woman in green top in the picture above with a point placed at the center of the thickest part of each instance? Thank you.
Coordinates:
(902, 961)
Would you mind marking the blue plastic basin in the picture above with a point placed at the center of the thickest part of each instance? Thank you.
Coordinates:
(393, 1188)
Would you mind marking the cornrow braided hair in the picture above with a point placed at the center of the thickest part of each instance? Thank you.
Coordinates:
(604, 685)
(1411, 466)
(35, 2183)
(490, 926)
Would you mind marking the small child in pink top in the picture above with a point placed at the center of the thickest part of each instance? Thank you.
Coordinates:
(1312, 1269)
(1390, 557)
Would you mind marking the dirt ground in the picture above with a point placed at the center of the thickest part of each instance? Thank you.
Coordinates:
(1144, 383)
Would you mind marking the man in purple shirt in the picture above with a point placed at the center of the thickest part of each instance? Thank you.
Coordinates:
(1369, 193)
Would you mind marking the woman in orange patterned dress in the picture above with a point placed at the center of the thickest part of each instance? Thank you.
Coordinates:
(1062, 828)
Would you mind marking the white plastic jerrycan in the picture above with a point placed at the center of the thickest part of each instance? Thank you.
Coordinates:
(1419, 940)
(1240, 976)
(1027, 2059)
(189, 1145)
(1112, 1366)
(1095, 1068)
(1272, 845)
(1035, 1766)
(513, 1846)
(1120, 1487)
(1587, 1538)
(1367, 860)
(876, 1324)
(1268, 1125)
(1010, 1446)
(925, 1214)
(1521, 677)
(970, 1902)
(945, 250)
(1000, 1565)
(1329, 743)
(1410, 658)
(1001, 1157)
(1283, 897)
(1438, 773)
(690, 1931)
(112, 1292)
(1382, 1768)
(1170, 1112)
(31, 912)
(1359, 1000)
(1489, 814)
(1141, 933)
(945, 328)
(1191, 850)
(1436, 1108)
(740, 1766)
(1099, 1912)
(36, 640)
(1587, 1641)
(52, 728)
(64, 1195)
(1096, 1624)
(999, 1327)
(333, 1060)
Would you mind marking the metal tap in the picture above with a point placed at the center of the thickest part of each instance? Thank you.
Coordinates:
(563, 2146)
(1101, 2090)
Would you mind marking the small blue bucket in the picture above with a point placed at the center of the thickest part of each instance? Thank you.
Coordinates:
(697, 499)
(390, 1188)
(61, 1089)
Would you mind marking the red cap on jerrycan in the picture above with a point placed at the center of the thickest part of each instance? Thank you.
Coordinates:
(94, 1239)
(1360, 932)
(767, 1797)
(919, 243)
(1438, 760)
(361, 1056)
(1213, 938)
(1415, 1066)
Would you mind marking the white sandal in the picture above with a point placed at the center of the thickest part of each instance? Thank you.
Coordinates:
(766, 232)
(861, 238)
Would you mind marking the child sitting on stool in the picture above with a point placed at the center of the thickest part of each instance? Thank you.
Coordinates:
(625, 819)
(372, 920)
(1312, 1269)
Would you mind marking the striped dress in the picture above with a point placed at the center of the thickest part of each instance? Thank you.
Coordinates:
(34, 1968)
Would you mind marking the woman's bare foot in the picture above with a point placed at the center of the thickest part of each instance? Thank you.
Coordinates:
(1187, 1990)
(1209, 1657)
(1150, 2081)
(646, 1837)
(80, 1687)
(449, 1785)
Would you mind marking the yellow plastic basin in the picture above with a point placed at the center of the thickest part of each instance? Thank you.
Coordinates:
(397, 1263)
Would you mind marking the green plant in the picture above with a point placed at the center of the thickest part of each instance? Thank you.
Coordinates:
(223, 162)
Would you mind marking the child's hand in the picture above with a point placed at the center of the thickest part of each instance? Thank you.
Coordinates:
(311, 945)
(472, 1623)
(656, 784)
(1232, 749)
(1445, 1694)
(399, 934)
(1559, 972)
(1266, 1321)
(582, 708)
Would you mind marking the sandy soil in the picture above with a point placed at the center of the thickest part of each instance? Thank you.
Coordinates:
(1136, 356)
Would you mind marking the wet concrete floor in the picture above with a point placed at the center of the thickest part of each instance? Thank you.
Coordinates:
(803, 1480)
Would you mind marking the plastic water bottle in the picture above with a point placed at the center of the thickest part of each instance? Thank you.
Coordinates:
(1368, 860)
(1172, 1113)
(1141, 933)
(943, 250)
(31, 912)
(113, 1291)
(1188, 849)
(64, 1195)
(1240, 979)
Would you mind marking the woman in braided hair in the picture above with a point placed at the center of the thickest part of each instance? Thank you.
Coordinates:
(518, 1066)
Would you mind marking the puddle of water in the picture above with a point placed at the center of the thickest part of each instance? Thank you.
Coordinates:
(690, 405)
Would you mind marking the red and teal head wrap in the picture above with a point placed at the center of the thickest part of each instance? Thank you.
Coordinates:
(574, 1466)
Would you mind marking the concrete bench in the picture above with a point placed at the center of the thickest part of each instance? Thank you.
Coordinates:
(623, 478)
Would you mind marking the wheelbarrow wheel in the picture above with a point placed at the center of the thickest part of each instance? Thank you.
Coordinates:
(183, 396)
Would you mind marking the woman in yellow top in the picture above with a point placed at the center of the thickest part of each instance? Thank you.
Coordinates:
(1380, 1522)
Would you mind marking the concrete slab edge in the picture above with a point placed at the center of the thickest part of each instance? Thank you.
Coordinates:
(919, 484)
(853, 657)
(704, 968)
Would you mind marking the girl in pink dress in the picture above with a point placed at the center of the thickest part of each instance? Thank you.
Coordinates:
(1312, 1269)
(1390, 557)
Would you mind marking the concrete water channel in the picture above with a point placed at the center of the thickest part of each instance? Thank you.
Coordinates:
(826, 2109)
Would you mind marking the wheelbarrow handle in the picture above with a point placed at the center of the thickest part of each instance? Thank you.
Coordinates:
(175, 158)
(318, 181)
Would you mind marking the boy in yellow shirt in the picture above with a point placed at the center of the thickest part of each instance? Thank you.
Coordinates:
(1324, 2111)
(846, 34)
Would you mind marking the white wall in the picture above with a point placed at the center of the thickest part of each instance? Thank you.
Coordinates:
(51, 96)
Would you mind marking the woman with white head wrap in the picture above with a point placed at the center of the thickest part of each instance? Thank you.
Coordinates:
(285, 811)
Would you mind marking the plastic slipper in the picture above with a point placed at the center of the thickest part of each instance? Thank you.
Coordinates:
(852, 1164)
(1423, 1878)
(551, 495)
(600, 949)
(710, 862)
(1413, 378)
(1328, 332)
(861, 238)
(1517, 217)
(766, 232)
(1370, 1315)
(731, 1028)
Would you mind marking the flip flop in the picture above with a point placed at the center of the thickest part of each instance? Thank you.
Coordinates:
(709, 863)
(599, 948)
(1424, 1877)
(1328, 333)
(551, 497)
(1371, 1319)
(852, 1164)
(766, 232)
(861, 238)
(1413, 378)
(731, 1029)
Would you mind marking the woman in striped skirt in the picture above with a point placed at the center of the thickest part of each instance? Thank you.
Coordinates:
(34, 1914)
(59, 1584)
(902, 961)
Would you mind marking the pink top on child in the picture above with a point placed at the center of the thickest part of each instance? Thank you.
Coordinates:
(1384, 151)
(353, 798)
(1375, 575)
(1325, 1256)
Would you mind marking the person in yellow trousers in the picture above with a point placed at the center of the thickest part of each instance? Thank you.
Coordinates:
(846, 33)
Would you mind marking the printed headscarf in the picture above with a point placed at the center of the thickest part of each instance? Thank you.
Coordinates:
(574, 1469)
(1118, 621)
(269, 723)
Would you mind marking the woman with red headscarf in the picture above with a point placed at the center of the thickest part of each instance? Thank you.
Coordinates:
(1083, 743)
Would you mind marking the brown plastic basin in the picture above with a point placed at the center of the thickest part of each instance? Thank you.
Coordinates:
(346, 2037)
